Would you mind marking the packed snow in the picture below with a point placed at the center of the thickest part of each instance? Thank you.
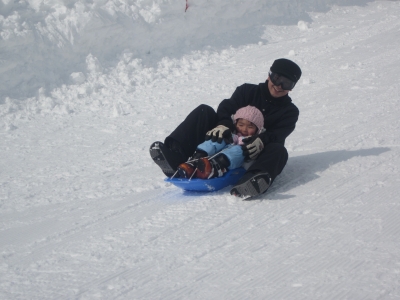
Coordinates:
(87, 86)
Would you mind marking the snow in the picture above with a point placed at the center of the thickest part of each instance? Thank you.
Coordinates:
(87, 86)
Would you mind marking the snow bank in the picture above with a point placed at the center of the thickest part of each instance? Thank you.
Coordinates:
(47, 44)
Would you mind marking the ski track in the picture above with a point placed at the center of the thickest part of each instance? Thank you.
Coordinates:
(326, 229)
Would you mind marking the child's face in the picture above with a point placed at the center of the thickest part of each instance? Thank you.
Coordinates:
(245, 127)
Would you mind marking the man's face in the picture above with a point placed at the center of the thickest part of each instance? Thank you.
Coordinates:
(276, 91)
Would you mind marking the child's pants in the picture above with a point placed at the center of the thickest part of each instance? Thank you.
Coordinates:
(234, 153)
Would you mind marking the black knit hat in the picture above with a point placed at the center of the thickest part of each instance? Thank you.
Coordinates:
(286, 68)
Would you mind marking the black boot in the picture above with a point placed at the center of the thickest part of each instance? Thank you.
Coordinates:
(252, 184)
(167, 158)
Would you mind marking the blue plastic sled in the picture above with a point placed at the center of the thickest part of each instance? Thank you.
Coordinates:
(208, 185)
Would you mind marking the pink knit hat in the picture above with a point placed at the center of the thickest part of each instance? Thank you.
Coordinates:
(251, 114)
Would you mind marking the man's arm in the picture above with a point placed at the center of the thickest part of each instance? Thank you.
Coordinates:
(282, 128)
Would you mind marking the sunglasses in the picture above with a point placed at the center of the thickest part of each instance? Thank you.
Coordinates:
(282, 81)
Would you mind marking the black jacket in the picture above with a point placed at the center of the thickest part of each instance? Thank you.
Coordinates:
(280, 114)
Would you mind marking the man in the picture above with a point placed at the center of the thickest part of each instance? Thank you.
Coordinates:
(266, 149)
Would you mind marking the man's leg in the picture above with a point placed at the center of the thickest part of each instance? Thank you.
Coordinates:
(192, 131)
(183, 141)
(262, 172)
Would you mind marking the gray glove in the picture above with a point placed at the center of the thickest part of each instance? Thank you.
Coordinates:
(219, 133)
(252, 147)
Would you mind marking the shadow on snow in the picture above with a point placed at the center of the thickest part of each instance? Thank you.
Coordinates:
(305, 168)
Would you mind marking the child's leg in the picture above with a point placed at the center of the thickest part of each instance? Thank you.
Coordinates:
(234, 155)
(229, 158)
(211, 147)
(207, 148)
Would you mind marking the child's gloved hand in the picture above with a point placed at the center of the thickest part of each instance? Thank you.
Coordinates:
(219, 133)
(252, 147)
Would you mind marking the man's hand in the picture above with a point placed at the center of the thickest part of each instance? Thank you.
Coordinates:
(252, 147)
(218, 133)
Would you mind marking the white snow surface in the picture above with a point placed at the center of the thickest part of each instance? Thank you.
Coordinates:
(87, 86)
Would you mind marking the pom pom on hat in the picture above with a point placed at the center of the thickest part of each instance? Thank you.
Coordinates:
(286, 68)
(251, 114)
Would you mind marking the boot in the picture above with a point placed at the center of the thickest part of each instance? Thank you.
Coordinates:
(186, 169)
(166, 158)
(211, 168)
(252, 184)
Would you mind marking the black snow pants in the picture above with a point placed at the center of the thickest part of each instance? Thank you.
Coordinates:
(192, 131)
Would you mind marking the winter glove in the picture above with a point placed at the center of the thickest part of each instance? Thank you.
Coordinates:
(252, 147)
(218, 133)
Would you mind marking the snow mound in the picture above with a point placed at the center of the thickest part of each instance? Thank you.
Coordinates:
(46, 43)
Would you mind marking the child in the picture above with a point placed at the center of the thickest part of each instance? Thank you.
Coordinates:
(205, 164)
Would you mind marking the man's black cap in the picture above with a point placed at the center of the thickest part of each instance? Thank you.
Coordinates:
(286, 68)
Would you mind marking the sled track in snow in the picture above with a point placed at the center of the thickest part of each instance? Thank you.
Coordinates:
(211, 231)
(57, 240)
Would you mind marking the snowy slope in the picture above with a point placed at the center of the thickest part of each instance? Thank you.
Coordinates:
(85, 213)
